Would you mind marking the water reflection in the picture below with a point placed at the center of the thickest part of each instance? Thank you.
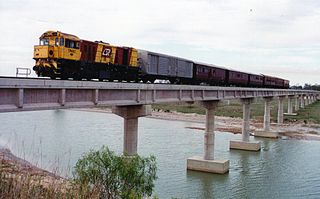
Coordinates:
(208, 183)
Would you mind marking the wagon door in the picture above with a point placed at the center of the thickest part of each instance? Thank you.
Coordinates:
(184, 69)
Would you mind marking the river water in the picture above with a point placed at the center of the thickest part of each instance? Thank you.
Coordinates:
(55, 140)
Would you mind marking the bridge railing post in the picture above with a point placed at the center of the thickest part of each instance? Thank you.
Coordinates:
(20, 98)
(63, 97)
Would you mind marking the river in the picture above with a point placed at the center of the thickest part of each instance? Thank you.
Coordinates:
(55, 140)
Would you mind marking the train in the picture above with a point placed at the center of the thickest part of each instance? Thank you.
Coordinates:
(64, 56)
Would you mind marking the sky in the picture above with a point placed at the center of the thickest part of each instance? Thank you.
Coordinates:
(273, 37)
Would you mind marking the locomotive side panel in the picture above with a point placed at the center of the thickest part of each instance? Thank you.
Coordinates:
(88, 51)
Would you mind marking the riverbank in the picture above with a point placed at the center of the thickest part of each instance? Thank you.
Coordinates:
(291, 129)
(20, 179)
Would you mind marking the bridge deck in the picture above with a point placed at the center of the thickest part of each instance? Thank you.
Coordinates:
(39, 94)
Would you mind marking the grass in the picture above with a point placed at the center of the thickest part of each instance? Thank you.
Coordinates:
(30, 186)
(310, 114)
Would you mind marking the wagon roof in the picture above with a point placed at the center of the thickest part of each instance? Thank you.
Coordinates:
(164, 55)
(210, 65)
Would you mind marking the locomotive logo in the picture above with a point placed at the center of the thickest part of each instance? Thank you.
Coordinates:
(107, 52)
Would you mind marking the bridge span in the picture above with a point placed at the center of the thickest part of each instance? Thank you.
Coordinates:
(133, 100)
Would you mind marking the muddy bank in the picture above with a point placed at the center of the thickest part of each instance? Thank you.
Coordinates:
(292, 130)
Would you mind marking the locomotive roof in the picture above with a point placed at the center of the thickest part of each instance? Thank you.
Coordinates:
(51, 33)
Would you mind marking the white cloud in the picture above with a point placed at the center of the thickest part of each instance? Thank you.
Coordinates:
(274, 36)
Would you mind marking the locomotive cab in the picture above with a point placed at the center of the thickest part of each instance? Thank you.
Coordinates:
(55, 47)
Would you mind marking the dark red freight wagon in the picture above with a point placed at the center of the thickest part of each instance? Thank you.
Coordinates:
(209, 74)
(255, 80)
(237, 78)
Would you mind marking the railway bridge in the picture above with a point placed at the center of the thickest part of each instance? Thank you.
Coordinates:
(132, 100)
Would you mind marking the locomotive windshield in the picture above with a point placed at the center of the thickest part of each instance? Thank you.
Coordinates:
(44, 42)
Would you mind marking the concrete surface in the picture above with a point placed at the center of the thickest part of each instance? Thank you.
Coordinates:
(266, 134)
(247, 146)
(211, 166)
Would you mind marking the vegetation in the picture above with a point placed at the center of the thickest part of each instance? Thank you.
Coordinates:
(307, 87)
(310, 114)
(114, 176)
(98, 174)
(234, 109)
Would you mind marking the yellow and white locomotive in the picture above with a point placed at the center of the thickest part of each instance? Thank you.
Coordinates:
(66, 56)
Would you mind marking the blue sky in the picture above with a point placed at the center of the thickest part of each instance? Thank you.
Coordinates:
(275, 37)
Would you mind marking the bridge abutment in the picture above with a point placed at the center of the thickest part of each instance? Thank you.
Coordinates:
(245, 143)
(130, 114)
(208, 163)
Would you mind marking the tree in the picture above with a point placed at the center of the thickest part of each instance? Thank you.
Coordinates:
(116, 176)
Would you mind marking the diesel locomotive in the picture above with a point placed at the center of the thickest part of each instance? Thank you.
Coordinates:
(64, 56)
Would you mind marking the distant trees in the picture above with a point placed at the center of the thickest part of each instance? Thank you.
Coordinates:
(116, 176)
(307, 87)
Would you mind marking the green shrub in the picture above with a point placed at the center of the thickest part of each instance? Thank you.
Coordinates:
(115, 176)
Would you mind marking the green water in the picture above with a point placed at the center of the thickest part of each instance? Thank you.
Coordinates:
(56, 139)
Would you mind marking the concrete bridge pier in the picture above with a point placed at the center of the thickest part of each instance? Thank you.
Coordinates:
(207, 163)
(245, 143)
(302, 101)
(296, 103)
(307, 100)
(280, 109)
(130, 115)
(290, 106)
(266, 122)
(310, 99)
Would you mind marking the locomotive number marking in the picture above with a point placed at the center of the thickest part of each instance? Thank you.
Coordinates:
(107, 52)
